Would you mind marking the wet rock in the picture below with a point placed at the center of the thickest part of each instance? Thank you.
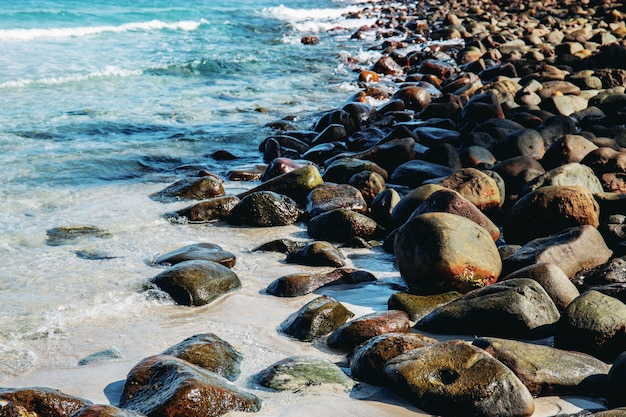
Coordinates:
(310, 40)
(456, 379)
(264, 209)
(341, 170)
(611, 272)
(431, 136)
(616, 381)
(439, 252)
(192, 188)
(357, 331)
(295, 184)
(210, 352)
(546, 370)
(450, 201)
(517, 172)
(558, 286)
(104, 411)
(444, 154)
(319, 253)
(370, 184)
(387, 66)
(40, 401)
(213, 209)
(316, 318)
(414, 173)
(568, 149)
(166, 386)
(281, 245)
(329, 197)
(419, 306)
(369, 358)
(516, 308)
(383, 205)
(101, 356)
(548, 210)
(572, 174)
(389, 154)
(593, 323)
(196, 283)
(246, 173)
(341, 225)
(299, 372)
(476, 186)
(277, 167)
(294, 285)
(414, 98)
(198, 251)
(67, 235)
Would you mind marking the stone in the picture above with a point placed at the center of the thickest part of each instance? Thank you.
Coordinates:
(318, 253)
(545, 370)
(253, 172)
(316, 318)
(192, 188)
(341, 170)
(213, 209)
(67, 235)
(300, 372)
(430, 135)
(517, 172)
(571, 174)
(555, 128)
(568, 149)
(210, 352)
(358, 330)
(297, 284)
(415, 172)
(572, 250)
(476, 186)
(548, 210)
(97, 410)
(515, 308)
(414, 98)
(605, 160)
(369, 358)
(616, 381)
(264, 209)
(341, 225)
(558, 286)
(407, 204)
(593, 323)
(198, 251)
(611, 272)
(330, 196)
(389, 154)
(454, 378)
(524, 142)
(369, 184)
(277, 167)
(295, 184)
(450, 201)
(39, 401)
(439, 252)
(387, 66)
(196, 283)
(383, 205)
(281, 245)
(163, 385)
(419, 306)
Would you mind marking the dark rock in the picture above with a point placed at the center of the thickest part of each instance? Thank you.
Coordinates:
(329, 197)
(67, 235)
(277, 167)
(389, 154)
(341, 170)
(281, 245)
(198, 251)
(166, 386)
(382, 207)
(40, 401)
(101, 356)
(192, 188)
(196, 283)
(611, 272)
(593, 323)
(415, 172)
(616, 381)
(295, 184)
(357, 331)
(213, 209)
(414, 98)
(419, 306)
(104, 411)
(568, 149)
(524, 142)
(370, 184)
(456, 379)
(517, 172)
(316, 318)
(317, 254)
(341, 225)
(407, 204)
(264, 209)
(299, 372)
(297, 284)
(210, 352)
(555, 128)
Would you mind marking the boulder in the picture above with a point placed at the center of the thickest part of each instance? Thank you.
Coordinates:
(566, 150)
(457, 379)
(295, 184)
(546, 370)
(611, 272)
(39, 401)
(572, 250)
(419, 306)
(616, 381)
(316, 318)
(163, 385)
(196, 283)
(476, 186)
(297, 284)
(341, 170)
(439, 252)
(572, 174)
(516, 308)
(369, 358)
(408, 203)
(317, 254)
(264, 209)
(210, 352)
(357, 331)
(382, 207)
(389, 154)
(299, 372)
(192, 188)
(213, 209)
(330, 196)
(341, 225)
(198, 251)
(281, 245)
(593, 323)
(96, 410)
(277, 167)
(415, 172)
(369, 184)
(67, 235)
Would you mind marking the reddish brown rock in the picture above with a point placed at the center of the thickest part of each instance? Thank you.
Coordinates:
(42, 401)
(476, 186)
(294, 285)
(329, 197)
(357, 331)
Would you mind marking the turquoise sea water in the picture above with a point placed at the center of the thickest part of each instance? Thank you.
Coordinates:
(103, 102)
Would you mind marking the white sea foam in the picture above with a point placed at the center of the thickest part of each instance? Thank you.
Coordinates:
(109, 71)
(316, 20)
(67, 32)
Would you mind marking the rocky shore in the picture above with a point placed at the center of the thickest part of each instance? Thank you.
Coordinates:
(485, 150)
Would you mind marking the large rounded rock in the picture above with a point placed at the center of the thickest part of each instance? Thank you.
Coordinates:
(419, 306)
(549, 210)
(476, 186)
(439, 252)
(546, 370)
(198, 251)
(37, 401)
(264, 209)
(297, 284)
(369, 358)
(167, 386)
(196, 283)
(572, 174)
(516, 308)
(568, 149)
(329, 197)
(295, 184)
(408, 203)
(414, 172)
(593, 323)
(317, 254)
(357, 331)
(213, 209)
(193, 188)
(341, 225)
(210, 352)
(456, 379)
(299, 372)
(341, 170)
(316, 318)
